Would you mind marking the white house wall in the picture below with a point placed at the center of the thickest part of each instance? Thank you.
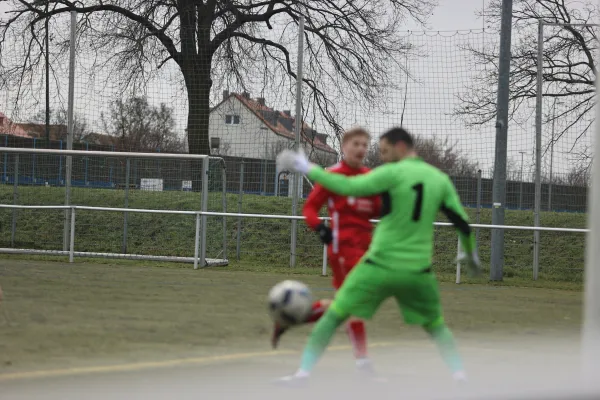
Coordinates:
(246, 139)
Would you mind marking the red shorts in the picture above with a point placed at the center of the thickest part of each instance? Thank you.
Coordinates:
(342, 263)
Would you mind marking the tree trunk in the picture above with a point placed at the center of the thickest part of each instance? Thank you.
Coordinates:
(198, 90)
(195, 61)
(198, 84)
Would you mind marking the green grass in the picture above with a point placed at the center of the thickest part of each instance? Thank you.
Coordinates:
(265, 244)
(62, 315)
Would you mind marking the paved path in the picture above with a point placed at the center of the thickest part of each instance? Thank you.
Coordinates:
(414, 371)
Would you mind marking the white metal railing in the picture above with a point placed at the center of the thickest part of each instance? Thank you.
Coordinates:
(96, 153)
(127, 157)
(203, 159)
(199, 239)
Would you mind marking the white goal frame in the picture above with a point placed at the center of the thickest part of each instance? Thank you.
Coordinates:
(70, 210)
(591, 314)
(590, 349)
(538, 133)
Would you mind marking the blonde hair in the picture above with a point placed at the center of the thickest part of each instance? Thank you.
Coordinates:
(355, 132)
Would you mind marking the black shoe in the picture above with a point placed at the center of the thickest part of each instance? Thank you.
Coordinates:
(277, 332)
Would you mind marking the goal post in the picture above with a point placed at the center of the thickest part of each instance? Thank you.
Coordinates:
(591, 313)
(590, 349)
(123, 184)
(539, 128)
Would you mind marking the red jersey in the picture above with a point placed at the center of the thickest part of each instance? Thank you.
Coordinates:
(349, 215)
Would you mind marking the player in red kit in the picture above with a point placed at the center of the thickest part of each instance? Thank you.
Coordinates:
(348, 236)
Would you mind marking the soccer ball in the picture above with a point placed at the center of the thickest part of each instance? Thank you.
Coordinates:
(289, 302)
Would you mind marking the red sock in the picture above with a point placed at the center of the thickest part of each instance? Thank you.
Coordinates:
(318, 309)
(358, 337)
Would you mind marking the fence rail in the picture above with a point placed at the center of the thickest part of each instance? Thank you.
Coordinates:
(36, 178)
(259, 176)
(198, 259)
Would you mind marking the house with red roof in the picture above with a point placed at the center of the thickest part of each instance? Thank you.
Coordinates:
(244, 127)
(7, 127)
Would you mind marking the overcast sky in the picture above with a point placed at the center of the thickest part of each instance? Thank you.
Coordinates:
(431, 95)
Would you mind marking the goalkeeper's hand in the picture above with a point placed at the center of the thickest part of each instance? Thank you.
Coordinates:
(472, 262)
(294, 161)
(325, 233)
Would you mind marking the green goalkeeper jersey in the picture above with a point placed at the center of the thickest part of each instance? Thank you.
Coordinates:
(413, 192)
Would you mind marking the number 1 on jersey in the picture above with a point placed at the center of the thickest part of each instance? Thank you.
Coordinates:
(418, 201)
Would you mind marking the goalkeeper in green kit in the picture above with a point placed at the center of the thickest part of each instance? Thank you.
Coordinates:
(398, 262)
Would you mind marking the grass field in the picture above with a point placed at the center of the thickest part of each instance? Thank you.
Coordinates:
(265, 243)
(106, 311)
(65, 315)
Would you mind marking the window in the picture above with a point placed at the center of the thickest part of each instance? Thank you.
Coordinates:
(232, 119)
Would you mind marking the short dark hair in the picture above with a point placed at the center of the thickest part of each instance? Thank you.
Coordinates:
(398, 134)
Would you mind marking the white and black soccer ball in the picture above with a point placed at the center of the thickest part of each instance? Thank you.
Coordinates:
(290, 302)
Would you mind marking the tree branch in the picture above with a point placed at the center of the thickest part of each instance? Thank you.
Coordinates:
(160, 34)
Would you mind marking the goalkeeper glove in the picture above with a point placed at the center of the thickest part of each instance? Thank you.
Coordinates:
(295, 161)
(472, 261)
(325, 233)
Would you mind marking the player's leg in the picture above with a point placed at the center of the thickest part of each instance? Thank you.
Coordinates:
(419, 299)
(355, 327)
(317, 310)
(444, 339)
(319, 306)
(336, 263)
(358, 296)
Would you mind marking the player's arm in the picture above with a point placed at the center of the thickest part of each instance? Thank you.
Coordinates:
(379, 180)
(455, 212)
(316, 199)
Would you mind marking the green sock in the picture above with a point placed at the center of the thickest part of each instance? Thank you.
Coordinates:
(319, 339)
(444, 340)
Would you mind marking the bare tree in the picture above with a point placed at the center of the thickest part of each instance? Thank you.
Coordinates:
(350, 44)
(141, 126)
(59, 118)
(439, 153)
(322, 158)
(373, 159)
(513, 170)
(277, 147)
(569, 69)
(444, 155)
(578, 175)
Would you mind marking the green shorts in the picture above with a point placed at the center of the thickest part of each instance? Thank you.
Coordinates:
(368, 285)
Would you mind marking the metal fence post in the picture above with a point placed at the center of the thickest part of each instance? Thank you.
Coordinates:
(478, 212)
(197, 241)
(70, 123)
(298, 127)
(13, 233)
(538, 151)
(458, 266)
(521, 194)
(224, 201)
(499, 183)
(4, 175)
(590, 345)
(126, 214)
(72, 240)
(204, 208)
(324, 271)
(239, 221)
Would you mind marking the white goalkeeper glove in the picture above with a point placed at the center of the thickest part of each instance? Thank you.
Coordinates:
(472, 262)
(295, 161)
